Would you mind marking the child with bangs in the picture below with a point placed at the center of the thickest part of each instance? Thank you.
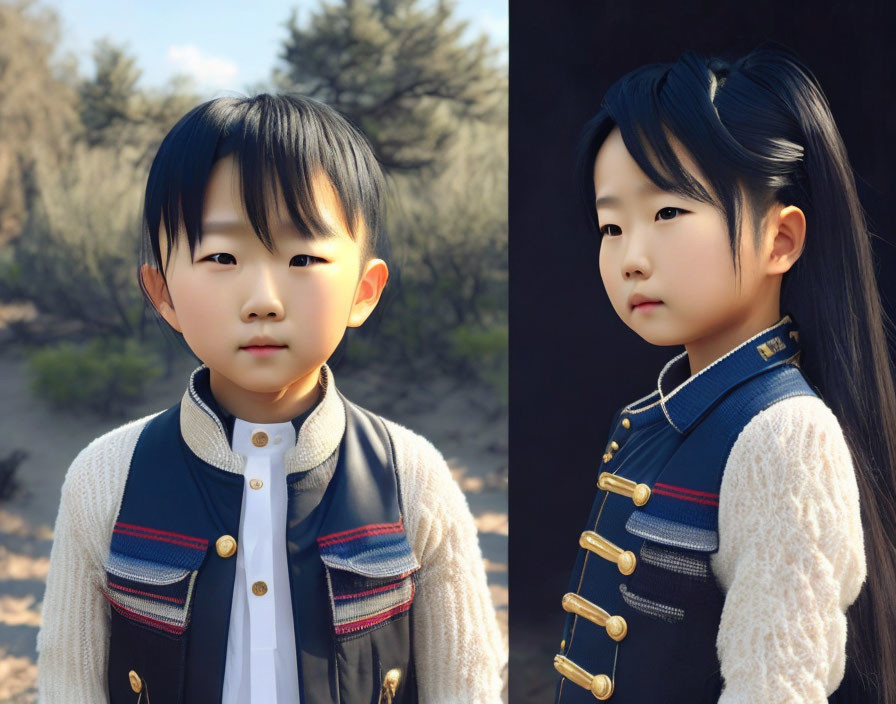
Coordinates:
(265, 539)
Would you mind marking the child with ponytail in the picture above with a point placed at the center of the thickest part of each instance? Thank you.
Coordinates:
(740, 547)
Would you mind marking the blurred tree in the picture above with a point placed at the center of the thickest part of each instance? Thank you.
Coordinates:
(108, 100)
(77, 257)
(37, 105)
(398, 69)
(116, 113)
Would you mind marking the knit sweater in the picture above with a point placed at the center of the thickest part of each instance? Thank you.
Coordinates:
(458, 648)
(791, 556)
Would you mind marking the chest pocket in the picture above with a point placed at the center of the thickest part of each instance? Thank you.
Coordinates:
(674, 577)
(150, 577)
(371, 583)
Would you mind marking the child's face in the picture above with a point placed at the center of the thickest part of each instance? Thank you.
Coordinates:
(301, 296)
(675, 250)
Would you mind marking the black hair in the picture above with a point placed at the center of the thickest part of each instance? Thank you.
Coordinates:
(287, 137)
(763, 123)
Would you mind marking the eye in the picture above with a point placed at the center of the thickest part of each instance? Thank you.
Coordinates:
(212, 258)
(669, 213)
(608, 230)
(304, 260)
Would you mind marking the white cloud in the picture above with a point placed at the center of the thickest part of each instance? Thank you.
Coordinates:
(210, 71)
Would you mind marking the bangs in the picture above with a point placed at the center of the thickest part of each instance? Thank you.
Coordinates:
(663, 106)
(282, 145)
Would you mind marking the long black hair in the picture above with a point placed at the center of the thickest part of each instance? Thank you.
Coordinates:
(762, 123)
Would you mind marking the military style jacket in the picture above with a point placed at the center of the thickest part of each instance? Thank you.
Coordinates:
(643, 606)
(171, 564)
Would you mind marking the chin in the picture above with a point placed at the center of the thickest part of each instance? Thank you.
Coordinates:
(656, 335)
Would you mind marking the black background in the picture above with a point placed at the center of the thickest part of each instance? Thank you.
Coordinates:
(573, 362)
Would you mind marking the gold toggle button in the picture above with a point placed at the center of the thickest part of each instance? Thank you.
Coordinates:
(600, 686)
(639, 493)
(259, 588)
(615, 625)
(136, 682)
(390, 686)
(256, 483)
(225, 545)
(259, 438)
(614, 446)
(626, 423)
(625, 559)
(608, 456)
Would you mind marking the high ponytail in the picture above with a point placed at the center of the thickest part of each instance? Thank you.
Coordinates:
(762, 123)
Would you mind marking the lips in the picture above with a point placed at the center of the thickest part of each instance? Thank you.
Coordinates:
(262, 341)
(639, 299)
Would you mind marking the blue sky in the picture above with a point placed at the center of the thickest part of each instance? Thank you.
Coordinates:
(222, 46)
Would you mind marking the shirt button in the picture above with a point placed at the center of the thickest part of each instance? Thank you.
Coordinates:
(256, 483)
(225, 545)
(259, 438)
(259, 589)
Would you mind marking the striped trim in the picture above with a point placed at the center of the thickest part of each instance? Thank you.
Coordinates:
(672, 614)
(674, 533)
(161, 535)
(361, 532)
(683, 494)
(360, 610)
(674, 560)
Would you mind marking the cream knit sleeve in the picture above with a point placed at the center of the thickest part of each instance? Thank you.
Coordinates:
(73, 639)
(458, 648)
(791, 556)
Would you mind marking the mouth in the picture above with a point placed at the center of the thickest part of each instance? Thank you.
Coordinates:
(646, 306)
(263, 350)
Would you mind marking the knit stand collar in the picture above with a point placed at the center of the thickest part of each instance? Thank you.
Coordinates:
(317, 439)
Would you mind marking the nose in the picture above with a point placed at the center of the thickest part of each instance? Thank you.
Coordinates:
(263, 300)
(635, 261)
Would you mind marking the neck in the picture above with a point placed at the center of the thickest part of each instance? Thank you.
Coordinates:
(277, 406)
(706, 350)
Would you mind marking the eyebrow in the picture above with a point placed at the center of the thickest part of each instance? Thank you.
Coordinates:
(648, 188)
(238, 226)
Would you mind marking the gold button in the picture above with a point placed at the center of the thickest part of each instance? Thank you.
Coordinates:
(136, 682)
(390, 686)
(562, 644)
(259, 589)
(225, 545)
(614, 446)
(616, 627)
(608, 457)
(259, 438)
(626, 423)
(256, 483)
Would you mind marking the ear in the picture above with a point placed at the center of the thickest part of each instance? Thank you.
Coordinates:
(368, 292)
(789, 238)
(157, 289)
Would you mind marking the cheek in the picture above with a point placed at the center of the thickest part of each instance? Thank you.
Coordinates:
(607, 264)
(701, 263)
(325, 299)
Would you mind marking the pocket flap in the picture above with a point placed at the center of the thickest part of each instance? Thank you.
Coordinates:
(370, 576)
(150, 575)
(678, 516)
(376, 550)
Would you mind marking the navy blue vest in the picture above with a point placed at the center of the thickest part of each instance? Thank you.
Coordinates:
(643, 606)
(170, 582)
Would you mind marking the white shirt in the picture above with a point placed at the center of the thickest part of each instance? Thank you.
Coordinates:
(261, 649)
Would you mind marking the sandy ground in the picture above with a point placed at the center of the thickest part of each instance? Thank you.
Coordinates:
(460, 421)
